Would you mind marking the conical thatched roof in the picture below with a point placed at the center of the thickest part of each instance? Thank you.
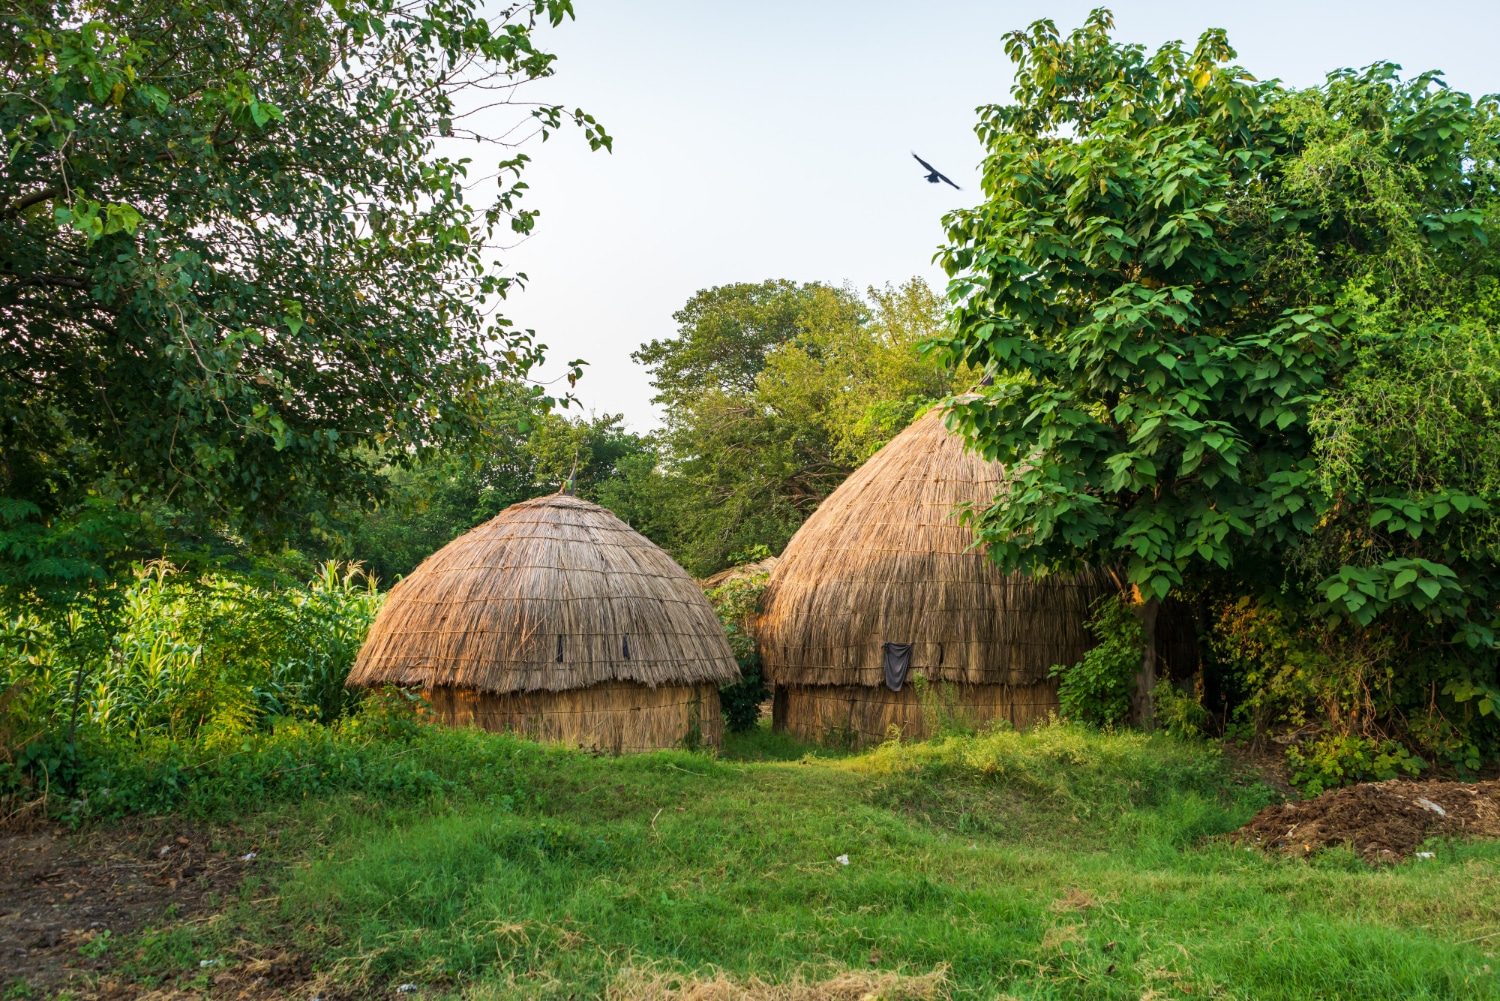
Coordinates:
(552, 594)
(886, 559)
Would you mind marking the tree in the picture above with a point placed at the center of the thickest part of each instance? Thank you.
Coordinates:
(239, 263)
(773, 394)
(1169, 271)
(430, 503)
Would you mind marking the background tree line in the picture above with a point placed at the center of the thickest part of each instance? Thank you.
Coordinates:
(772, 394)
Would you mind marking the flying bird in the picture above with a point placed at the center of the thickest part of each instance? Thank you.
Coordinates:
(933, 174)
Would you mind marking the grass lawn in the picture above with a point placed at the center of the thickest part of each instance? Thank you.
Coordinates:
(1059, 863)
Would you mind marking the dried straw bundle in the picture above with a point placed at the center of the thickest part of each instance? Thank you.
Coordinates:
(552, 595)
(886, 558)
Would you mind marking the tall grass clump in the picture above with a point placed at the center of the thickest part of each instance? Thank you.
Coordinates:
(167, 666)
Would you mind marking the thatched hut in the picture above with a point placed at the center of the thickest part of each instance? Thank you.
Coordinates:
(882, 602)
(557, 620)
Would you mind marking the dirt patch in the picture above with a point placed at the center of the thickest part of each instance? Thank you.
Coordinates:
(1383, 821)
(1264, 760)
(66, 900)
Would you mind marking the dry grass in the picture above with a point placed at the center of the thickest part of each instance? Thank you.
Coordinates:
(552, 594)
(888, 558)
(653, 985)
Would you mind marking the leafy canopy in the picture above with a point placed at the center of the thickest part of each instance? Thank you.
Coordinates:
(1170, 270)
(773, 393)
(242, 261)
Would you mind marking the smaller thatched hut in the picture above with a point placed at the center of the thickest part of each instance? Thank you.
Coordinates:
(557, 620)
(883, 613)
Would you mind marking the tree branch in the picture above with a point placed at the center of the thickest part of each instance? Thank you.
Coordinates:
(26, 201)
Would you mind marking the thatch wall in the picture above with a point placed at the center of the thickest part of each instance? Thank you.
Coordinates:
(553, 594)
(860, 715)
(886, 558)
(616, 716)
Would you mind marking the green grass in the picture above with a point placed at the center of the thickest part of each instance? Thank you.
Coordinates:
(1060, 863)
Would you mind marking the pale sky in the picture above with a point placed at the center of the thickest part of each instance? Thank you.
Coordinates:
(772, 139)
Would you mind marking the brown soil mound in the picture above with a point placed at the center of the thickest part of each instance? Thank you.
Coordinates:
(1383, 821)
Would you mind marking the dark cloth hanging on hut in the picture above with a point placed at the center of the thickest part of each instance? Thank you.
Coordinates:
(897, 664)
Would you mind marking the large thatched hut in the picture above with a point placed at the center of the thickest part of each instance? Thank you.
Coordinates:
(557, 620)
(882, 611)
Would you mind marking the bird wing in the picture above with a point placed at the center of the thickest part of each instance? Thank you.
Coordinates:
(935, 171)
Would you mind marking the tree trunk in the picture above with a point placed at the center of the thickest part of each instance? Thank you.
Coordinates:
(1142, 706)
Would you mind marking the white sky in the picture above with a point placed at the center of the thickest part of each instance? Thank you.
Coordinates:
(771, 139)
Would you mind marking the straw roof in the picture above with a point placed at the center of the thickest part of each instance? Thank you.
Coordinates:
(552, 594)
(886, 558)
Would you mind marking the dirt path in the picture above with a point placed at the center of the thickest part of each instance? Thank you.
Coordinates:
(65, 899)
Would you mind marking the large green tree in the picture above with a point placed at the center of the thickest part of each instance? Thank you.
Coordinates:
(1174, 264)
(773, 393)
(242, 261)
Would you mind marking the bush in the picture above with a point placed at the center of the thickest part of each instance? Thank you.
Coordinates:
(1297, 668)
(387, 752)
(1340, 760)
(1097, 688)
(1179, 713)
(736, 600)
(216, 655)
(168, 679)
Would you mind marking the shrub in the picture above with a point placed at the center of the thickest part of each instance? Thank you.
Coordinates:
(1179, 713)
(101, 711)
(1340, 760)
(1097, 688)
(736, 601)
(214, 655)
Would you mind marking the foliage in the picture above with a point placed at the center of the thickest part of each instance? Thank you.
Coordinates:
(430, 502)
(210, 659)
(1367, 686)
(1179, 713)
(1157, 413)
(1240, 333)
(239, 263)
(1097, 689)
(737, 601)
(773, 394)
(1407, 446)
(1338, 760)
